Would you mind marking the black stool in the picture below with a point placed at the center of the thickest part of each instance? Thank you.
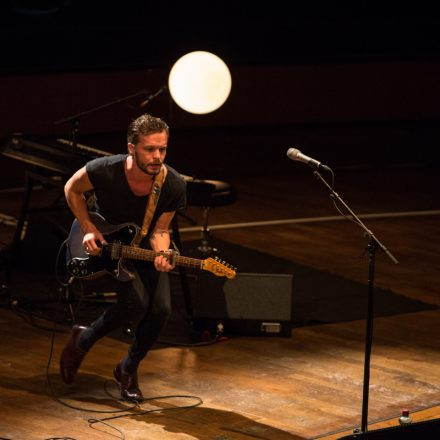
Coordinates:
(209, 194)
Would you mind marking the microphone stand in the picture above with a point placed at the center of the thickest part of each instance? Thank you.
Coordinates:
(373, 243)
(74, 119)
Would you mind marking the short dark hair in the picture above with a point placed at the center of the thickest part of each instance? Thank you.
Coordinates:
(144, 125)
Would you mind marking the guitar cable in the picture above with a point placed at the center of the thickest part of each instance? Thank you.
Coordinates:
(26, 309)
(131, 410)
(57, 263)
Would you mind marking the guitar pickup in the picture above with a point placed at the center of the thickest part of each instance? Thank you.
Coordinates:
(115, 251)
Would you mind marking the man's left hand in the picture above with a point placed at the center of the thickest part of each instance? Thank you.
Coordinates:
(162, 262)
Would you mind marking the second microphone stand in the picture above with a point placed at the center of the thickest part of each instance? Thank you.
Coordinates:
(74, 119)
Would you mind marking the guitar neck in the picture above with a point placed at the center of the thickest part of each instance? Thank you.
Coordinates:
(137, 253)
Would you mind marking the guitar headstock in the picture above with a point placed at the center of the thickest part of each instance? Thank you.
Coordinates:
(219, 267)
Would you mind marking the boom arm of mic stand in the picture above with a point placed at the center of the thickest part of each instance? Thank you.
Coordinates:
(373, 242)
(358, 220)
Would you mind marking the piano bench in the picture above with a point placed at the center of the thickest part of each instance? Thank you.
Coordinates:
(209, 194)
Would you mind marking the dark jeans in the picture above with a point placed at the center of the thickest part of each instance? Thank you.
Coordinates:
(145, 300)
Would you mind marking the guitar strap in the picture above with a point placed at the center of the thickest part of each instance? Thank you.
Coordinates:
(151, 205)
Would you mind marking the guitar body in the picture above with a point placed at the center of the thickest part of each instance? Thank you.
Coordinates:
(84, 266)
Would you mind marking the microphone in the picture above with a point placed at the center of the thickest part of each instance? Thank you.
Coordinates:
(294, 154)
(146, 101)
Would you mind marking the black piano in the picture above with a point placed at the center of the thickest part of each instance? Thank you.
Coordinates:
(62, 157)
(56, 155)
(49, 163)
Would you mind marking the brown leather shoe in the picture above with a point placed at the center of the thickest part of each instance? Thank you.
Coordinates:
(128, 385)
(72, 355)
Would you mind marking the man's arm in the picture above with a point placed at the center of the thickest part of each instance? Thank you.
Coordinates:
(74, 191)
(160, 241)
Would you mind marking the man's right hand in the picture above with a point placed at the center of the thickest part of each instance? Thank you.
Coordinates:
(92, 242)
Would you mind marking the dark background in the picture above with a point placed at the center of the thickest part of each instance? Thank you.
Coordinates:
(353, 85)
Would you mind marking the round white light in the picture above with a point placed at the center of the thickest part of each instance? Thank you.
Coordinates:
(199, 82)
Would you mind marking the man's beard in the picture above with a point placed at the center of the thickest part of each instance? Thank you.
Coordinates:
(143, 167)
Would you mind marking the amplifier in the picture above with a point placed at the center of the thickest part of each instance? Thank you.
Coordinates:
(253, 304)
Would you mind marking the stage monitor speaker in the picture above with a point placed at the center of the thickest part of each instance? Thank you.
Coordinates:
(250, 304)
(427, 430)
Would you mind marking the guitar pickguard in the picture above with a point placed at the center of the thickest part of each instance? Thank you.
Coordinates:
(85, 266)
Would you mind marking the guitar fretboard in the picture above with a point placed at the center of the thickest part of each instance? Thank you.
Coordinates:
(137, 253)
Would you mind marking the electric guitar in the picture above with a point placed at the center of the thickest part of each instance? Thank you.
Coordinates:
(119, 248)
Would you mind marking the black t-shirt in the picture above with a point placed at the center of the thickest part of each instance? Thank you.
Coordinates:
(115, 200)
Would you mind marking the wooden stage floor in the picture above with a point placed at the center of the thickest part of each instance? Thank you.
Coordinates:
(306, 386)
